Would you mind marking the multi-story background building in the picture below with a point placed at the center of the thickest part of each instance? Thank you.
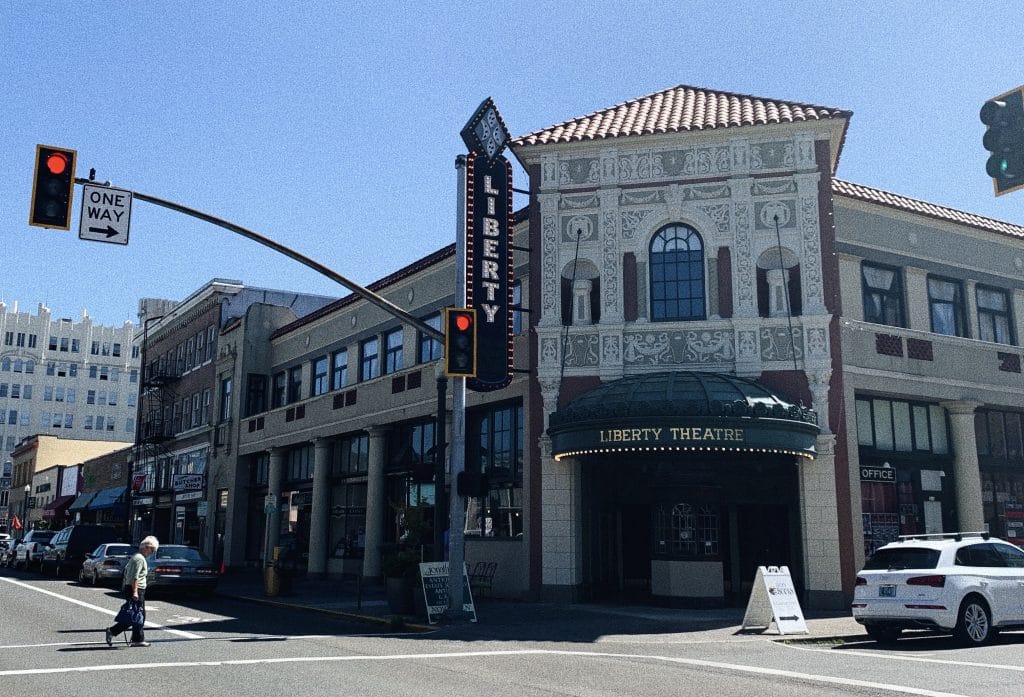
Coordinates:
(65, 378)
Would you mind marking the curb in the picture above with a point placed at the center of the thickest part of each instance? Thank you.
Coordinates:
(387, 621)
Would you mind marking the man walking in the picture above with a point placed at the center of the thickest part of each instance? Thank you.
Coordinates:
(134, 588)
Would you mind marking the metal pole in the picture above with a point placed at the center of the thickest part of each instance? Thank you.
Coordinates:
(456, 547)
(440, 500)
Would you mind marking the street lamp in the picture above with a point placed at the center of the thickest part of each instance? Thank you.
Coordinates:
(24, 508)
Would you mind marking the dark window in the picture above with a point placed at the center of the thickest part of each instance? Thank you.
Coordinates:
(369, 359)
(319, 385)
(351, 455)
(882, 291)
(495, 449)
(256, 394)
(517, 304)
(393, 351)
(677, 274)
(994, 323)
(300, 464)
(225, 399)
(430, 349)
(339, 369)
(278, 390)
(946, 304)
(294, 384)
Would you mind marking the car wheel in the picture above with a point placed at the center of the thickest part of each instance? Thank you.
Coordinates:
(883, 633)
(974, 622)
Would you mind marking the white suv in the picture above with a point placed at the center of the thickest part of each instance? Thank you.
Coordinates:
(966, 583)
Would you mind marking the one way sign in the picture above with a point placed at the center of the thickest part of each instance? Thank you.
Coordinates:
(106, 214)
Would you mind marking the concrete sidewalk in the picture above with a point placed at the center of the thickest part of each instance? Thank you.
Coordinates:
(355, 601)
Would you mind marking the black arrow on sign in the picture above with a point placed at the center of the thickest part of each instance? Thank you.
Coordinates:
(108, 231)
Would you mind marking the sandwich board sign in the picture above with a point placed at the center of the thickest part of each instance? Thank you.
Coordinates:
(773, 598)
(435, 590)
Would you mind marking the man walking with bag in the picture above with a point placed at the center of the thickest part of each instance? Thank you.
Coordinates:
(134, 588)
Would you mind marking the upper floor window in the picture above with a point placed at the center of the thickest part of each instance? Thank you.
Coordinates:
(430, 349)
(369, 359)
(517, 304)
(393, 351)
(339, 369)
(994, 315)
(225, 398)
(677, 274)
(319, 381)
(900, 426)
(882, 290)
(946, 306)
(277, 390)
(294, 384)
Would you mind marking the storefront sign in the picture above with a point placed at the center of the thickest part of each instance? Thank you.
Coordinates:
(435, 590)
(773, 598)
(188, 496)
(877, 474)
(489, 269)
(671, 434)
(187, 482)
(144, 501)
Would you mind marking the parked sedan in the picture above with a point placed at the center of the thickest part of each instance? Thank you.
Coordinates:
(180, 567)
(105, 564)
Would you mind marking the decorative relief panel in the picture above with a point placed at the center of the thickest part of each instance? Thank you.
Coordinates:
(582, 226)
(778, 344)
(550, 289)
(640, 165)
(696, 161)
(612, 265)
(768, 187)
(585, 170)
(744, 276)
(766, 211)
(581, 351)
(576, 202)
(611, 349)
(810, 268)
(677, 347)
(549, 351)
(628, 198)
(746, 346)
(817, 343)
(772, 155)
(718, 213)
(702, 193)
(631, 220)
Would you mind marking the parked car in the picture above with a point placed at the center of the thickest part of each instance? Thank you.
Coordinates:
(180, 567)
(969, 584)
(69, 546)
(30, 551)
(6, 548)
(105, 564)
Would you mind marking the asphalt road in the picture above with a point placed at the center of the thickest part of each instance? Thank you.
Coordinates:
(51, 643)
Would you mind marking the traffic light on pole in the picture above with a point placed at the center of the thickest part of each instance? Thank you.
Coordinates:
(53, 187)
(460, 342)
(1004, 139)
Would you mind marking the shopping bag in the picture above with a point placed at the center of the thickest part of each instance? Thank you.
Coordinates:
(130, 613)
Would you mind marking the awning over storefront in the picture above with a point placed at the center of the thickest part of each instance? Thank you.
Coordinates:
(682, 411)
(82, 501)
(57, 506)
(111, 497)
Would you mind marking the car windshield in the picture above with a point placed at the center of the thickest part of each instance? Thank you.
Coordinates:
(173, 552)
(43, 536)
(903, 558)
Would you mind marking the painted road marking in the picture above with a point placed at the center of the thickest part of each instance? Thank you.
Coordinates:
(917, 659)
(112, 613)
(808, 677)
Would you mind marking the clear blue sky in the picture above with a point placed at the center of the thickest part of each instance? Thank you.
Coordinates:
(333, 127)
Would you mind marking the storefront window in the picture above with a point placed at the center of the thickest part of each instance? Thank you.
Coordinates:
(683, 530)
(348, 520)
(495, 449)
(351, 455)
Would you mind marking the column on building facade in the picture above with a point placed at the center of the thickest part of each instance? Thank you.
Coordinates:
(819, 522)
(967, 478)
(918, 313)
(321, 501)
(376, 502)
(274, 476)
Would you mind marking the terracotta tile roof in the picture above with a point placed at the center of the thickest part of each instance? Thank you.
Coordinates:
(932, 210)
(680, 108)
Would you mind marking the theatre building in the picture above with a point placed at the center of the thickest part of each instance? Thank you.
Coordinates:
(730, 359)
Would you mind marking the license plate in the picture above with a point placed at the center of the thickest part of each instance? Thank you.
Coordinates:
(887, 591)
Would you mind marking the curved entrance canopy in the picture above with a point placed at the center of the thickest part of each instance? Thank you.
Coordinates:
(682, 411)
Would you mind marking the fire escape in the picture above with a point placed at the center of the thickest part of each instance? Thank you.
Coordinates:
(156, 409)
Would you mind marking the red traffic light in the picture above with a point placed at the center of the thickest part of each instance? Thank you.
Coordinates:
(57, 162)
(463, 321)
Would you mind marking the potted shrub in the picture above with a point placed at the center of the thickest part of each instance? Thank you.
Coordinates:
(401, 575)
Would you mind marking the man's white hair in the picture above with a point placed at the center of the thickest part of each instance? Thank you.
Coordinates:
(151, 542)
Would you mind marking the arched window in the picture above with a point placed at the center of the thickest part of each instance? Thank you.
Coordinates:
(677, 274)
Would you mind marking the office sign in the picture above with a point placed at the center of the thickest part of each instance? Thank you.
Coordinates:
(877, 474)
